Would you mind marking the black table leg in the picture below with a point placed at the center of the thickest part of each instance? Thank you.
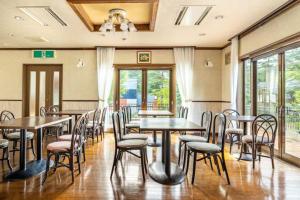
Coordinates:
(70, 126)
(39, 144)
(166, 172)
(23, 149)
(31, 168)
(155, 143)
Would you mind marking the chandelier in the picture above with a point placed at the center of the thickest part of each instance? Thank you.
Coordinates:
(117, 16)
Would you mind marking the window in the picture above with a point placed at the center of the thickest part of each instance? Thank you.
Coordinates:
(247, 87)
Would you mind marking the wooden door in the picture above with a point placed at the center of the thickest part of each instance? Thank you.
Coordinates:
(42, 87)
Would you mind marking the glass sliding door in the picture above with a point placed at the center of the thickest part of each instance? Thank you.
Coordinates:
(130, 89)
(158, 89)
(247, 87)
(267, 87)
(292, 103)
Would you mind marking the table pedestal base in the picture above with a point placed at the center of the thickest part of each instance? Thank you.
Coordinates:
(157, 173)
(33, 168)
(246, 157)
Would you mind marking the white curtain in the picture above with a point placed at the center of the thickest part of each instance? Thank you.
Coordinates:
(234, 71)
(105, 58)
(184, 59)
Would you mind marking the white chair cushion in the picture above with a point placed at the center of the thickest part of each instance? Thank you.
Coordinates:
(132, 125)
(60, 146)
(3, 143)
(16, 135)
(204, 147)
(249, 139)
(134, 136)
(132, 143)
(238, 131)
(192, 138)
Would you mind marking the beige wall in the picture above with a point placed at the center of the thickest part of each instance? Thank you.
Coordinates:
(81, 83)
(282, 26)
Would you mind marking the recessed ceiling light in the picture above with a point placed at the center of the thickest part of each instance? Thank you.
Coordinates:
(19, 18)
(11, 35)
(219, 17)
(202, 34)
(102, 34)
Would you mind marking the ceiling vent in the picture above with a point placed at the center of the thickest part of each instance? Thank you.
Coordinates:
(192, 15)
(43, 15)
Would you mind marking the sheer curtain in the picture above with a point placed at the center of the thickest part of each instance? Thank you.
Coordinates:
(184, 59)
(105, 59)
(234, 71)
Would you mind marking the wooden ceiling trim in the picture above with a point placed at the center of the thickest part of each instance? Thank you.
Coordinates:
(153, 15)
(78, 9)
(109, 1)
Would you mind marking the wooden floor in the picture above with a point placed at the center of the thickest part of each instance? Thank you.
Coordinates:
(94, 183)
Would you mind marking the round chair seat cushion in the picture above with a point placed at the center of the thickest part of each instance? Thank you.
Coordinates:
(204, 147)
(128, 144)
(238, 131)
(192, 138)
(16, 135)
(135, 136)
(249, 139)
(60, 146)
(67, 137)
(132, 125)
(3, 143)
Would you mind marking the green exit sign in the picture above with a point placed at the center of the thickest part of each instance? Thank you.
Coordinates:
(43, 54)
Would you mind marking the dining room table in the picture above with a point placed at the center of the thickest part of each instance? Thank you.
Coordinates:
(166, 171)
(155, 114)
(245, 119)
(70, 113)
(35, 124)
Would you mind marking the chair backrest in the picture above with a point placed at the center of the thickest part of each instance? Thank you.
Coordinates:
(264, 126)
(53, 108)
(231, 114)
(185, 112)
(219, 126)
(79, 130)
(206, 120)
(103, 116)
(43, 111)
(96, 118)
(118, 126)
(180, 112)
(6, 116)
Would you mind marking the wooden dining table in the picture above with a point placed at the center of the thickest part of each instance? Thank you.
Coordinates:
(165, 171)
(70, 113)
(36, 124)
(154, 114)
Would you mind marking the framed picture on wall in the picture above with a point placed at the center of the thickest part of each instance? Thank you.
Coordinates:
(144, 57)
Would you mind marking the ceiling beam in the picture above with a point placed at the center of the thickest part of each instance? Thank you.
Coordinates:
(109, 1)
(80, 12)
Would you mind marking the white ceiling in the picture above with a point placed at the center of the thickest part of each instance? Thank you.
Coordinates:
(238, 15)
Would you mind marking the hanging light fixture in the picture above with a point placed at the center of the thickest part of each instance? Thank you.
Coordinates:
(117, 16)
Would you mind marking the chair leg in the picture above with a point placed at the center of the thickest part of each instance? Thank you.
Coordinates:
(188, 161)
(32, 147)
(71, 163)
(114, 163)
(97, 134)
(184, 155)
(145, 160)
(231, 143)
(217, 163)
(194, 167)
(253, 155)
(179, 152)
(204, 158)
(47, 166)
(142, 163)
(241, 151)
(14, 149)
(83, 151)
(225, 168)
(78, 161)
(6, 157)
(272, 155)
(209, 158)
(56, 161)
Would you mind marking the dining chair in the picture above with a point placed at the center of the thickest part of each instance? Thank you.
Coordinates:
(69, 149)
(206, 120)
(102, 122)
(233, 130)
(93, 126)
(264, 128)
(130, 126)
(126, 146)
(5, 152)
(53, 130)
(14, 134)
(215, 149)
(185, 113)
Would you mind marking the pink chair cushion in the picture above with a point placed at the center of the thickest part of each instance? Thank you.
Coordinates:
(67, 137)
(61, 146)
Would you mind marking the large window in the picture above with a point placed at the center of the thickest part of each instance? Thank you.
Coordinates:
(247, 87)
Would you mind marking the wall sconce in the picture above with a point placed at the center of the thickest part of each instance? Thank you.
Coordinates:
(208, 64)
(80, 63)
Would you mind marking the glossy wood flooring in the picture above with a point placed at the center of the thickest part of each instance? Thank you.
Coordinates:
(94, 183)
